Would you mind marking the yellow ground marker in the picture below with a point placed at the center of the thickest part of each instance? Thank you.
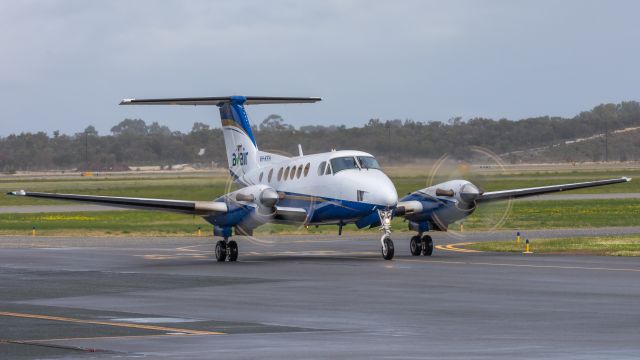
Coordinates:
(518, 237)
(526, 248)
(111, 323)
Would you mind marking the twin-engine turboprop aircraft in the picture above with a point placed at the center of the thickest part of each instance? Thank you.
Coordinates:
(337, 187)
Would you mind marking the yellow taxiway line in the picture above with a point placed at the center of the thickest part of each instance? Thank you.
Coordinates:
(111, 323)
(455, 247)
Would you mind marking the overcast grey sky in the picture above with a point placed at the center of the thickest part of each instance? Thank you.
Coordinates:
(66, 64)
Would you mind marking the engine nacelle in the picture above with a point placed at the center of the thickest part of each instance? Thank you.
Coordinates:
(441, 204)
(264, 196)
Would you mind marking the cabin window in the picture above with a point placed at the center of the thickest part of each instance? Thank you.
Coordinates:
(293, 172)
(299, 172)
(270, 175)
(321, 168)
(343, 163)
(280, 174)
(368, 162)
(286, 173)
(306, 169)
(328, 170)
(260, 178)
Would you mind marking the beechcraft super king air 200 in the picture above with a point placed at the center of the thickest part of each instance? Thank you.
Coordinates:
(336, 187)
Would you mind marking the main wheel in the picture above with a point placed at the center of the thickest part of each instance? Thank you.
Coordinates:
(427, 245)
(415, 245)
(387, 249)
(221, 250)
(233, 250)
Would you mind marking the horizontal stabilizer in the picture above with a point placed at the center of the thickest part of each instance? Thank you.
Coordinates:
(246, 100)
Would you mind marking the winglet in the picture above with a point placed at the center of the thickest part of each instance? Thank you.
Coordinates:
(17, 193)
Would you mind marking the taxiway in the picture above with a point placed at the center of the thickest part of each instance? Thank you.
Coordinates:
(312, 297)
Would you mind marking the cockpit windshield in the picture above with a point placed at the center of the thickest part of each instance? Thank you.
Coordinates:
(351, 162)
(343, 163)
(368, 162)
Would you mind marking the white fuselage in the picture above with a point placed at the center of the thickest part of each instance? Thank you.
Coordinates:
(307, 180)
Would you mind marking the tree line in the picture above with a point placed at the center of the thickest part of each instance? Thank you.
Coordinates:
(133, 142)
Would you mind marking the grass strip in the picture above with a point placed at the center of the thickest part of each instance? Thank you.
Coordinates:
(622, 245)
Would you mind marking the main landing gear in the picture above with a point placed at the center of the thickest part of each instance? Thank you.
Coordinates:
(226, 249)
(422, 245)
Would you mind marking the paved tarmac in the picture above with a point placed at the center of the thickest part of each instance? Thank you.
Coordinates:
(312, 297)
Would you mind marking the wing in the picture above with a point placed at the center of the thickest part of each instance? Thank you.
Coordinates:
(518, 193)
(179, 206)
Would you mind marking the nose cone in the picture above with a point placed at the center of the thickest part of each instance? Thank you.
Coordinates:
(384, 192)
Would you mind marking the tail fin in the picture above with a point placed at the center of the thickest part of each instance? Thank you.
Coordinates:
(242, 151)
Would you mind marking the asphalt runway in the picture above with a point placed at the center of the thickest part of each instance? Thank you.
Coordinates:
(313, 297)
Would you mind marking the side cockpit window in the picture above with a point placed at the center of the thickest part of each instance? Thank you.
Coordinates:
(328, 170)
(321, 168)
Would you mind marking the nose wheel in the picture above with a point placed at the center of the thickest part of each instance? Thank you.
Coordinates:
(387, 247)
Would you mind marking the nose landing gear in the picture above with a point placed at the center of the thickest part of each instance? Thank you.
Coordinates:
(387, 243)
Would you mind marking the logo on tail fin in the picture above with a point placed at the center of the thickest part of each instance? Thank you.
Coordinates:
(240, 157)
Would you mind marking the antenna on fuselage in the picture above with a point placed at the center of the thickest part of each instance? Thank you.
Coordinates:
(300, 150)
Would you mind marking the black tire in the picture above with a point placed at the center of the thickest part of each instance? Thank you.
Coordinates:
(427, 245)
(415, 245)
(221, 251)
(233, 250)
(387, 255)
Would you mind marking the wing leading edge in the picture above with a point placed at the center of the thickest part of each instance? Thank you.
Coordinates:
(518, 193)
(179, 206)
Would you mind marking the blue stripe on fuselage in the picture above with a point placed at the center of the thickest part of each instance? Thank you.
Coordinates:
(321, 210)
(328, 210)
